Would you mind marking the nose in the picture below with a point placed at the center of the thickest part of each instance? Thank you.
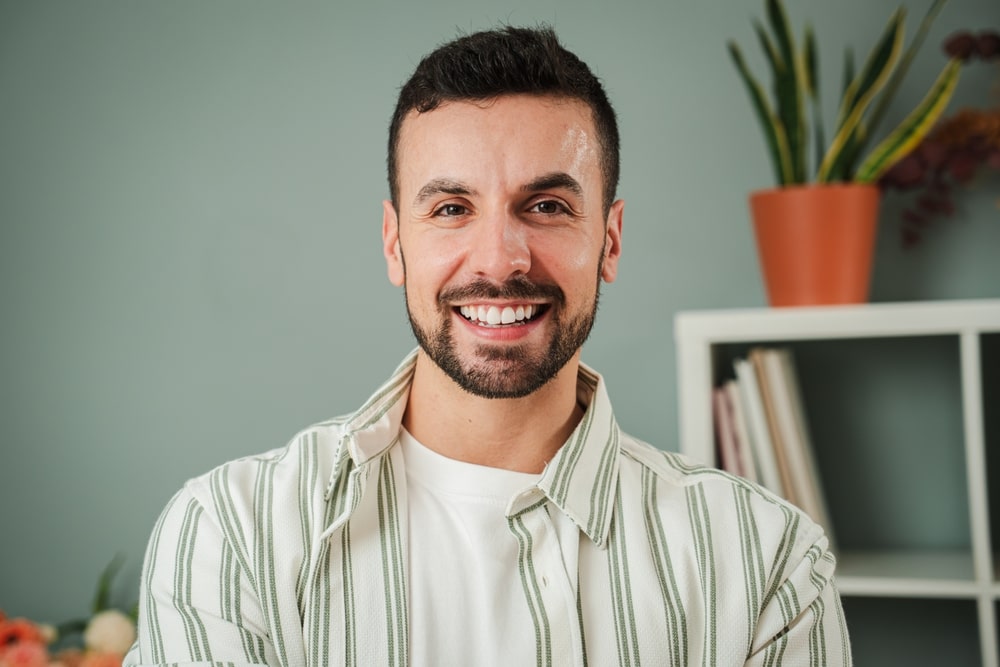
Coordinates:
(500, 248)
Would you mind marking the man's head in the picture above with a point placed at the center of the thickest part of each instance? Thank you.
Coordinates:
(511, 61)
(500, 227)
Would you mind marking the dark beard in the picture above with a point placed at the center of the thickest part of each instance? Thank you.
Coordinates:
(509, 371)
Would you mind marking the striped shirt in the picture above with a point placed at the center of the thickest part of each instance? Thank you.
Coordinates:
(299, 557)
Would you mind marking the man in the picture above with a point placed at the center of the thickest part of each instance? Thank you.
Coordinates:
(483, 506)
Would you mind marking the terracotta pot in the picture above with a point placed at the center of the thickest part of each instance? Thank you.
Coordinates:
(815, 242)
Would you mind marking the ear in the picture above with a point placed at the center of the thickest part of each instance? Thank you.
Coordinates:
(613, 242)
(390, 244)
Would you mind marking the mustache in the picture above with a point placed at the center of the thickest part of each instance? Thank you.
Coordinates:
(519, 288)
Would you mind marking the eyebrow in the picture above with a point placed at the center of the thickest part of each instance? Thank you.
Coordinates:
(442, 186)
(555, 180)
(552, 181)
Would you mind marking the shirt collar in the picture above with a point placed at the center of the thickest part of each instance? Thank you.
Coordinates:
(581, 480)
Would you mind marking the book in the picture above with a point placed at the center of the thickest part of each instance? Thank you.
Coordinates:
(741, 432)
(791, 424)
(724, 436)
(758, 431)
(758, 359)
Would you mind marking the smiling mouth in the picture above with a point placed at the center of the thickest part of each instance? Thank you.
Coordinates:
(496, 316)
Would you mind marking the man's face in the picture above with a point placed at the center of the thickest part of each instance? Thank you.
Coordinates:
(500, 238)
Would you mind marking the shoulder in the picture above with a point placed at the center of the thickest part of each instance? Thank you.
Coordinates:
(711, 515)
(279, 479)
(675, 482)
(673, 468)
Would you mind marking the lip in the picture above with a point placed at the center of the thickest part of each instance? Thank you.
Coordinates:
(513, 333)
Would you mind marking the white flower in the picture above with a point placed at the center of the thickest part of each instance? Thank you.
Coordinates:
(49, 632)
(110, 631)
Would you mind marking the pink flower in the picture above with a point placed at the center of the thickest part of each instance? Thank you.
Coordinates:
(19, 631)
(24, 654)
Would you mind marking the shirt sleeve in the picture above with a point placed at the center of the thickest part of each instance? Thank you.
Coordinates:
(197, 605)
(803, 622)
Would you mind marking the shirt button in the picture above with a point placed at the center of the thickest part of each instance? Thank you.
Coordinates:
(545, 581)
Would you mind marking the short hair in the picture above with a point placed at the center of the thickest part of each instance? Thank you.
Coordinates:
(509, 61)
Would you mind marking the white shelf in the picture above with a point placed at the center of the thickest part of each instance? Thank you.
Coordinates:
(964, 574)
(947, 574)
(836, 322)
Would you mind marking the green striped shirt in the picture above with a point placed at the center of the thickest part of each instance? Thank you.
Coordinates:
(299, 557)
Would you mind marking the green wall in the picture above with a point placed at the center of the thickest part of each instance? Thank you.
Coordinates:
(190, 266)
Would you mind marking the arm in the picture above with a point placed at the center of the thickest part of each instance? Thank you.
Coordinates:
(803, 622)
(197, 606)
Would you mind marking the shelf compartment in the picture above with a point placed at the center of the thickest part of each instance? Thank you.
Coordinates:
(891, 631)
(906, 458)
(885, 419)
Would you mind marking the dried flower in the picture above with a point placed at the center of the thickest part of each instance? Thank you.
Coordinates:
(960, 45)
(954, 152)
(964, 45)
(988, 44)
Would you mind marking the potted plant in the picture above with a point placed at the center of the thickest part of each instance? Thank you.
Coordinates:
(816, 230)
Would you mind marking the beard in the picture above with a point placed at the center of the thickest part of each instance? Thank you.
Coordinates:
(506, 371)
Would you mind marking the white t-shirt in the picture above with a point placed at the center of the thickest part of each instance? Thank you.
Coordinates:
(466, 597)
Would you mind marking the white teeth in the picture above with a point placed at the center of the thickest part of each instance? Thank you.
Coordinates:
(494, 315)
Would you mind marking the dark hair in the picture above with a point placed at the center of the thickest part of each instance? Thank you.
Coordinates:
(508, 61)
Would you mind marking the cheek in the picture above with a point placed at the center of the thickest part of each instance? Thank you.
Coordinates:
(571, 261)
(429, 267)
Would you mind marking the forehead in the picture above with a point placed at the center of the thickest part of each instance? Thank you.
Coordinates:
(508, 138)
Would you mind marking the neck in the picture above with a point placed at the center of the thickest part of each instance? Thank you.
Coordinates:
(520, 434)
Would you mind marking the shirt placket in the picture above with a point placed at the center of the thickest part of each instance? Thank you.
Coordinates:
(548, 587)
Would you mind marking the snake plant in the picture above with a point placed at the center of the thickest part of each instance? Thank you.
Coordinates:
(865, 97)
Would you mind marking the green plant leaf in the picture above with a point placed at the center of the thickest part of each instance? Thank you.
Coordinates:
(859, 95)
(878, 111)
(767, 46)
(811, 60)
(70, 628)
(876, 70)
(913, 128)
(848, 74)
(102, 598)
(778, 19)
(774, 132)
(789, 86)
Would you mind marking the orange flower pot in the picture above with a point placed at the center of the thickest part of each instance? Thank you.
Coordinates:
(815, 242)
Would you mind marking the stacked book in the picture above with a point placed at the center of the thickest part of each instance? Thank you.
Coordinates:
(762, 433)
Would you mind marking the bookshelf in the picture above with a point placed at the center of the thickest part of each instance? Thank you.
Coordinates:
(904, 578)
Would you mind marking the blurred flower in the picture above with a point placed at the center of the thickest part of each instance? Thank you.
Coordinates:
(102, 660)
(17, 631)
(106, 635)
(71, 657)
(25, 654)
(109, 631)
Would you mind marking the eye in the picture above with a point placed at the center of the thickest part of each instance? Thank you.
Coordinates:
(549, 207)
(451, 210)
